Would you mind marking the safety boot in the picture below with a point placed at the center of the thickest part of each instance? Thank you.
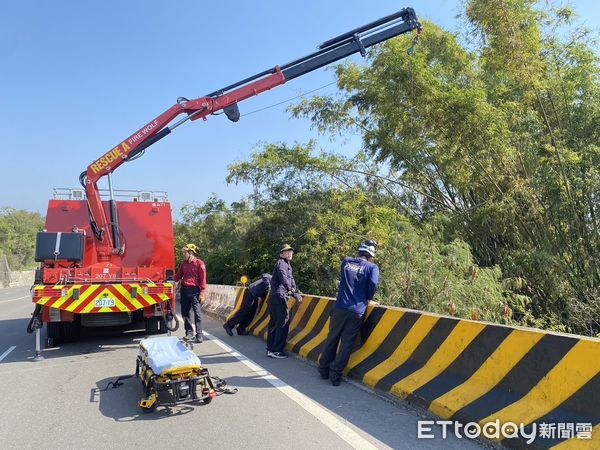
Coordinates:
(227, 329)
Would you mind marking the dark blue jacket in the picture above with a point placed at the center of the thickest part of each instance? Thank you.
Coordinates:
(260, 287)
(282, 282)
(358, 283)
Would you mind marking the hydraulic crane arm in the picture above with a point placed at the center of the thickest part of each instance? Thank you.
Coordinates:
(226, 99)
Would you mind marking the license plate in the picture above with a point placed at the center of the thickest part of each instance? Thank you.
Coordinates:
(103, 302)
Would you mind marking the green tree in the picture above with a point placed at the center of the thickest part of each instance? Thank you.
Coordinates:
(479, 171)
(18, 230)
(499, 137)
(334, 203)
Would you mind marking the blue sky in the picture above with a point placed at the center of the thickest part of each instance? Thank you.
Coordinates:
(78, 77)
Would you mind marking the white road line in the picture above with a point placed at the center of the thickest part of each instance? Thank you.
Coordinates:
(6, 353)
(323, 415)
(14, 299)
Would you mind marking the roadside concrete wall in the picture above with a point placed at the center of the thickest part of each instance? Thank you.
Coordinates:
(220, 300)
(460, 370)
(4, 272)
(22, 278)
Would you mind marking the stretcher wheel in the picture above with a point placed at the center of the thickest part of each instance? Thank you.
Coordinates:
(150, 402)
(151, 409)
(207, 400)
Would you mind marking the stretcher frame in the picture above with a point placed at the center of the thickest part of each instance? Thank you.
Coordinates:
(185, 384)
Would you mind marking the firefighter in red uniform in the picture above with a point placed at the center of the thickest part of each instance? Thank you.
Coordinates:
(192, 277)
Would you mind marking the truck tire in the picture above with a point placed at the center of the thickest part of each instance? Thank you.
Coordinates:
(72, 331)
(152, 325)
(54, 333)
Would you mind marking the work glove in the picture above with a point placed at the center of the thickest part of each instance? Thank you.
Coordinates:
(298, 296)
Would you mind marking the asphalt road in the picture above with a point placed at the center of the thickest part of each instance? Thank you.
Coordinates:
(59, 402)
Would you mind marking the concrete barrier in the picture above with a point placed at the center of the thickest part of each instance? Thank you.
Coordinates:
(463, 370)
(22, 278)
(220, 301)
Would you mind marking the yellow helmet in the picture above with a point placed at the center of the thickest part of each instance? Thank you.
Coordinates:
(191, 248)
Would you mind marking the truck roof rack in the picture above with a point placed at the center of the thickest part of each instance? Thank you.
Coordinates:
(122, 194)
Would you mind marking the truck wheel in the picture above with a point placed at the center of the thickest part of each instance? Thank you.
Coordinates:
(152, 325)
(54, 332)
(72, 331)
(162, 326)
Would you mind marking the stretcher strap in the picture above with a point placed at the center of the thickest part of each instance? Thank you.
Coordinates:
(117, 382)
(221, 386)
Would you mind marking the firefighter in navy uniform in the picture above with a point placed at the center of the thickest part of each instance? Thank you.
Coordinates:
(255, 293)
(192, 277)
(282, 287)
(358, 283)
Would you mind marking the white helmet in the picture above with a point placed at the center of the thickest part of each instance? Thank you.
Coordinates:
(367, 247)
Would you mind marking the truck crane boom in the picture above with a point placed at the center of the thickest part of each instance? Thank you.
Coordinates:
(226, 100)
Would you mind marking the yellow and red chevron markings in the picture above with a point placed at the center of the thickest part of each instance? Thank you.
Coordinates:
(463, 370)
(82, 298)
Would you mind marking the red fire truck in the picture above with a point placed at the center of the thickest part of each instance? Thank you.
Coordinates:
(111, 261)
(77, 285)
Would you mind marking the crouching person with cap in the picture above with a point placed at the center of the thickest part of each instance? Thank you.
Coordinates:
(282, 287)
(358, 283)
(192, 278)
(253, 295)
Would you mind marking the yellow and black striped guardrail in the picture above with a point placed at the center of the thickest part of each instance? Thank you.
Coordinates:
(464, 370)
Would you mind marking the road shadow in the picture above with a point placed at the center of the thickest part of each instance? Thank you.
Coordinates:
(207, 359)
(253, 381)
(98, 340)
(12, 330)
(92, 341)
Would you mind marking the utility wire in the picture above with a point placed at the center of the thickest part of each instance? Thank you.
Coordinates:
(289, 99)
